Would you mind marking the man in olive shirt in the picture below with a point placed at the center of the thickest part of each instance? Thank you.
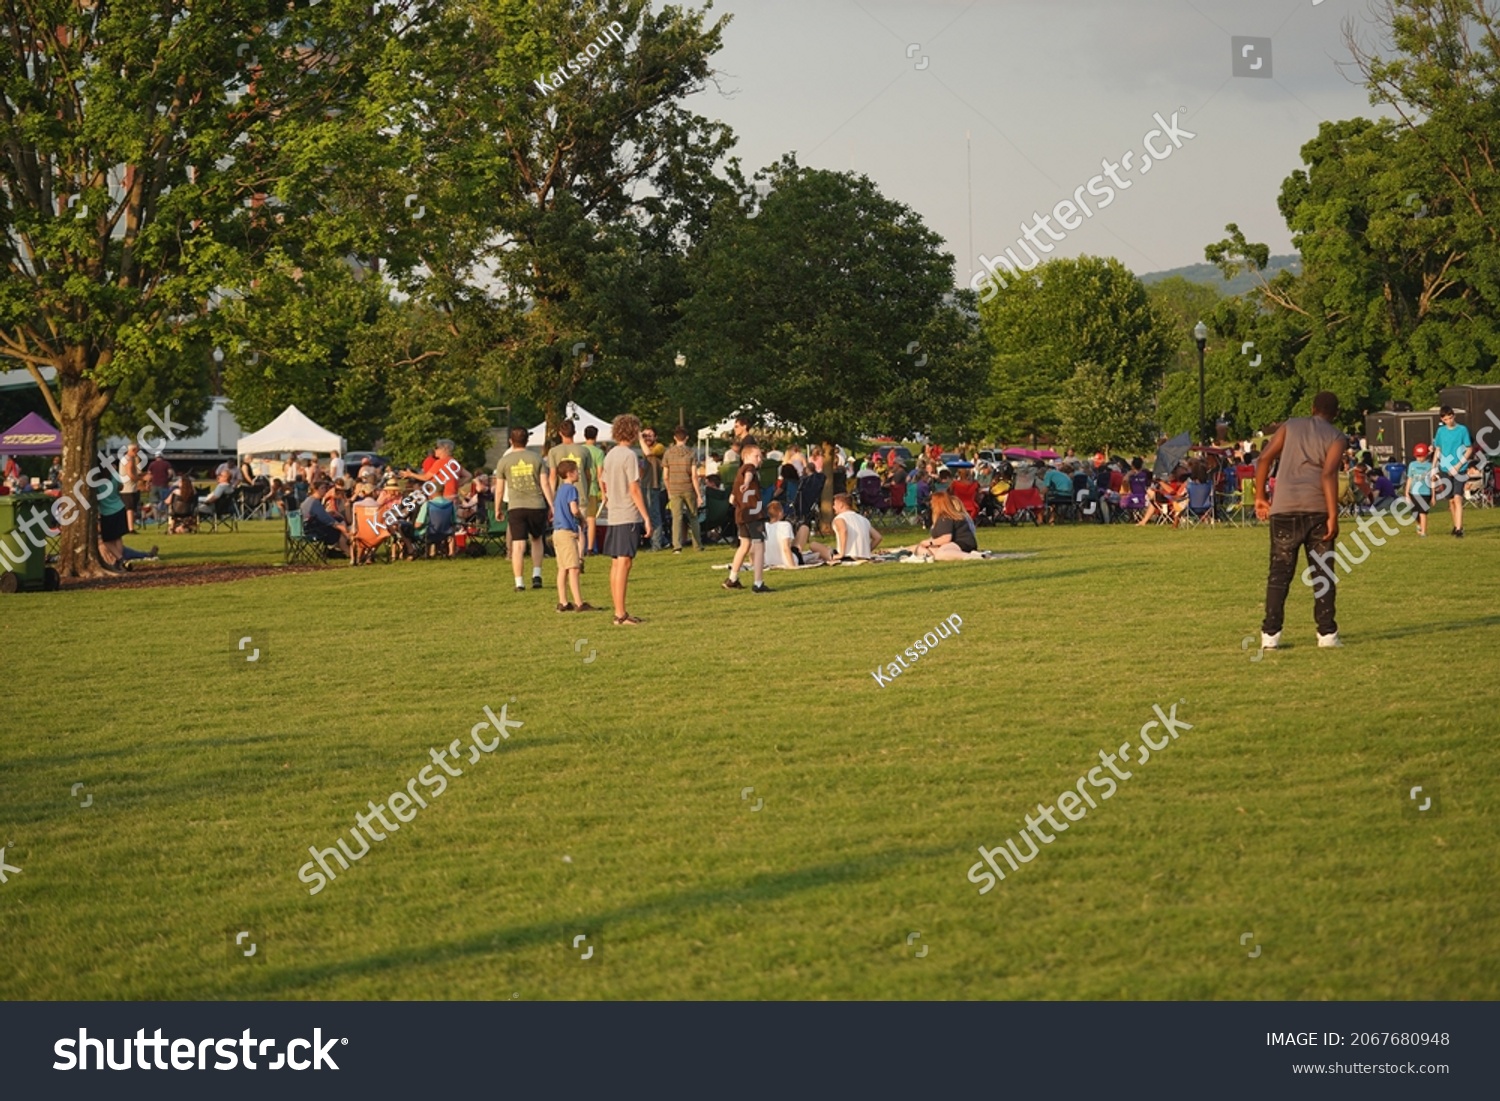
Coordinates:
(568, 449)
(679, 471)
(530, 502)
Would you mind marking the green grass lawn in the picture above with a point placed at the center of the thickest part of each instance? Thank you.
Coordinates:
(616, 810)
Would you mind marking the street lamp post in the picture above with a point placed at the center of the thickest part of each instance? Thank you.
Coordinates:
(1200, 336)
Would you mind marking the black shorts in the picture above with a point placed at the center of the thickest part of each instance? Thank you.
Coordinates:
(1452, 485)
(132, 501)
(1421, 502)
(621, 540)
(755, 531)
(112, 527)
(522, 524)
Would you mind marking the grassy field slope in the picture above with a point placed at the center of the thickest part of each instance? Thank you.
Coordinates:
(616, 811)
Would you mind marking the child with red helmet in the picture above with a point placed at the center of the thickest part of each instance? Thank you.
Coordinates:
(1419, 485)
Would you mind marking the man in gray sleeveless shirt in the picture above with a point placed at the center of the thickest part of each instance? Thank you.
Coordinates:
(1305, 513)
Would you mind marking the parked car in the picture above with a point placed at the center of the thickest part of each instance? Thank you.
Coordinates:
(954, 461)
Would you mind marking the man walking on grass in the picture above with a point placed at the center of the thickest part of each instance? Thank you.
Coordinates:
(1305, 513)
(520, 471)
(626, 509)
(1453, 449)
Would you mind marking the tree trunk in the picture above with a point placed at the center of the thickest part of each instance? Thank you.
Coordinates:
(83, 404)
(825, 503)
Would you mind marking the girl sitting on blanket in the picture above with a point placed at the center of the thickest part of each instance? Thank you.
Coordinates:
(953, 535)
(787, 550)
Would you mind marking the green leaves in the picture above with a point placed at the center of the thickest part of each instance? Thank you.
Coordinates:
(1068, 312)
(818, 308)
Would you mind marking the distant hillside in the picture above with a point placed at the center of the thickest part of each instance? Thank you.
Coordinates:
(1210, 276)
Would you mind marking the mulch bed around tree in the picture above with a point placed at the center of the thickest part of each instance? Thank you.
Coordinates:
(151, 575)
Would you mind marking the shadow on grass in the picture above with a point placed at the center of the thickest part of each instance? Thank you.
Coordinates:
(1432, 627)
(760, 888)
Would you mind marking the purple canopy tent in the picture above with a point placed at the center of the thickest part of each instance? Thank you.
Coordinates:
(31, 435)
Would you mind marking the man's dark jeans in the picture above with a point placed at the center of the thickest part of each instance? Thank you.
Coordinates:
(1289, 532)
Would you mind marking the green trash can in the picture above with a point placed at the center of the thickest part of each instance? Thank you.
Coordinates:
(33, 572)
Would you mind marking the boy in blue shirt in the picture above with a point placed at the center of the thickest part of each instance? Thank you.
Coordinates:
(566, 532)
(1419, 486)
(1454, 449)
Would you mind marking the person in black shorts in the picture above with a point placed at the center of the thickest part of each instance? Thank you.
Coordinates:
(519, 481)
(749, 518)
(625, 507)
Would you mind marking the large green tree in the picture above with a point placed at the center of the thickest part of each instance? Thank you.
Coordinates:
(828, 305)
(1396, 223)
(138, 139)
(1090, 310)
(562, 176)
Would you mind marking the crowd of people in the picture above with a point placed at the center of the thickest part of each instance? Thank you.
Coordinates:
(645, 494)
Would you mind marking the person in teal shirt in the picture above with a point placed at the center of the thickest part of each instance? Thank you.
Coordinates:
(1419, 486)
(112, 528)
(1454, 449)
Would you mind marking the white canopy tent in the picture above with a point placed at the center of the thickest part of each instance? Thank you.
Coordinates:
(292, 431)
(581, 419)
(725, 429)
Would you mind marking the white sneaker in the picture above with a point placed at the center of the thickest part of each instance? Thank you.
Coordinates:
(1270, 642)
(1329, 642)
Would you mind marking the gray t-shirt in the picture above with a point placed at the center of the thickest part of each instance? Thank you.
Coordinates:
(522, 471)
(621, 467)
(1299, 469)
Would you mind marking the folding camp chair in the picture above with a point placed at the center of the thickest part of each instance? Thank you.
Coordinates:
(299, 548)
(717, 519)
(911, 512)
(810, 496)
(874, 501)
(219, 513)
(369, 536)
(1024, 504)
(1060, 506)
(1200, 503)
(438, 528)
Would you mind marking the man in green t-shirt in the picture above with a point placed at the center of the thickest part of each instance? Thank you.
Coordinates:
(528, 497)
(588, 473)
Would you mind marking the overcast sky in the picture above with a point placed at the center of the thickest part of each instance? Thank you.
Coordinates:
(1047, 89)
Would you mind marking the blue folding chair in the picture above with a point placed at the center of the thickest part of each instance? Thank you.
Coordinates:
(1200, 502)
(439, 526)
